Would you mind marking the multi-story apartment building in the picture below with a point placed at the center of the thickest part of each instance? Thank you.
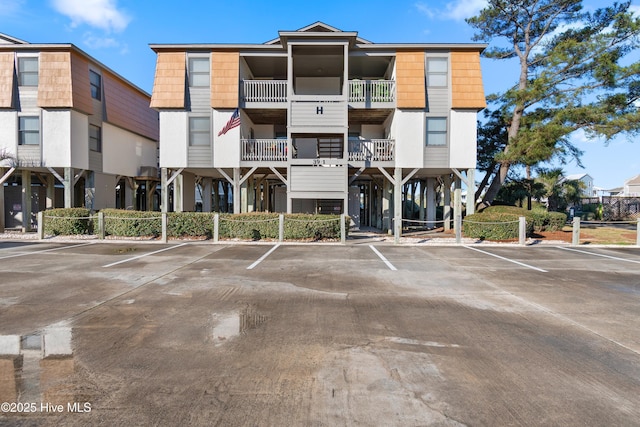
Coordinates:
(317, 120)
(76, 134)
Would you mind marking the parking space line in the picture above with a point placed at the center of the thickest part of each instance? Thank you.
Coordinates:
(386, 261)
(600, 255)
(507, 259)
(142, 256)
(46, 250)
(262, 258)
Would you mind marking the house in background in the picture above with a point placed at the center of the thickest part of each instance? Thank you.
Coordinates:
(588, 189)
(78, 134)
(632, 187)
(317, 120)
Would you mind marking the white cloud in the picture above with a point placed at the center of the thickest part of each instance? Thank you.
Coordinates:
(457, 10)
(95, 42)
(103, 14)
(11, 7)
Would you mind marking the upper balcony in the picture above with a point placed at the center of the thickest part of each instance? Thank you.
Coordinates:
(362, 93)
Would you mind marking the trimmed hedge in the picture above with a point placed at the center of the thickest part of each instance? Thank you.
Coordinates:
(493, 226)
(540, 218)
(247, 226)
(124, 223)
(69, 221)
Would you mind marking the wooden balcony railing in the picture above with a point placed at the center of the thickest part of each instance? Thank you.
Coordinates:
(375, 150)
(372, 90)
(264, 150)
(264, 90)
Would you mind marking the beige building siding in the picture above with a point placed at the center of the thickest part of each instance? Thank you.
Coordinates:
(410, 80)
(7, 61)
(81, 88)
(128, 108)
(225, 79)
(54, 80)
(466, 81)
(169, 82)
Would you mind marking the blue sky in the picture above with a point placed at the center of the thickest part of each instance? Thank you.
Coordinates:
(118, 33)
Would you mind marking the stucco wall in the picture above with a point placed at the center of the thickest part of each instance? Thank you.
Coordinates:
(462, 141)
(123, 152)
(174, 142)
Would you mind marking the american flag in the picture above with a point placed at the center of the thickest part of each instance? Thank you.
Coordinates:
(233, 122)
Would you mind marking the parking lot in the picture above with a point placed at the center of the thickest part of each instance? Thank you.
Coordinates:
(196, 333)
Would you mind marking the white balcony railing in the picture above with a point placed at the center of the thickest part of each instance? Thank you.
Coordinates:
(372, 90)
(264, 150)
(375, 150)
(264, 90)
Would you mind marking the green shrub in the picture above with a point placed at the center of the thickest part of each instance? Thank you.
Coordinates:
(254, 226)
(69, 221)
(556, 221)
(190, 224)
(538, 217)
(493, 226)
(124, 223)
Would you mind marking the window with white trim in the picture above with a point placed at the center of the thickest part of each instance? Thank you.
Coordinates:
(199, 72)
(437, 72)
(29, 130)
(436, 131)
(95, 81)
(95, 138)
(28, 71)
(199, 131)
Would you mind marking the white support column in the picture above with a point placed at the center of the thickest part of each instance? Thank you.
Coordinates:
(397, 205)
(446, 211)
(51, 192)
(431, 201)
(164, 190)
(206, 194)
(471, 191)
(457, 204)
(386, 205)
(237, 202)
(26, 200)
(68, 187)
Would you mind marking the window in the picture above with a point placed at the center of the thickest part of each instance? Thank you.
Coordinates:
(437, 72)
(95, 138)
(28, 71)
(29, 130)
(436, 131)
(199, 72)
(96, 85)
(199, 131)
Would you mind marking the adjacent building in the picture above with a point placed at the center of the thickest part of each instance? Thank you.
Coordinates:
(74, 132)
(318, 120)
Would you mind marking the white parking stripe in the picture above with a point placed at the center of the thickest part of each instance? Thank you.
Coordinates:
(391, 266)
(263, 257)
(600, 255)
(507, 259)
(46, 250)
(142, 256)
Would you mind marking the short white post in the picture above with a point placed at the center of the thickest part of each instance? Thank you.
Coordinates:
(101, 231)
(575, 240)
(164, 227)
(638, 233)
(216, 227)
(458, 228)
(41, 224)
(522, 230)
(343, 229)
(280, 227)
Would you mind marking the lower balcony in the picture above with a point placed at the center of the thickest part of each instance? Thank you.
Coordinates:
(264, 150)
(372, 150)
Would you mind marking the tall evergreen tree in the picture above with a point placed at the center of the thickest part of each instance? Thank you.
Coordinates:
(573, 73)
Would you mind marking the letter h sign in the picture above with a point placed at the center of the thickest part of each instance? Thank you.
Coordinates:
(319, 110)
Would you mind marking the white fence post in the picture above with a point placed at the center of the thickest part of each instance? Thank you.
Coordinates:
(522, 230)
(575, 240)
(638, 233)
(164, 227)
(101, 231)
(343, 229)
(216, 227)
(40, 224)
(280, 227)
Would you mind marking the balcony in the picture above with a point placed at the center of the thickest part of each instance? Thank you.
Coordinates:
(360, 91)
(372, 91)
(373, 150)
(264, 150)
